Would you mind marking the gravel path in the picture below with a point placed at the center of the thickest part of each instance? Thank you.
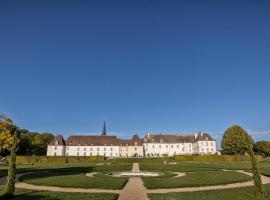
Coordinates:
(134, 189)
(179, 174)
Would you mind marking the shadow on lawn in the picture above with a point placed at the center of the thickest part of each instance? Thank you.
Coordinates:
(30, 195)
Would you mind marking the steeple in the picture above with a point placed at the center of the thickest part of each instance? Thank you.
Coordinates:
(104, 130)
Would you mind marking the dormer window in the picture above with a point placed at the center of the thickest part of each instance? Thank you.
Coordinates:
(161, 141)
(206, 138)
(56, 143)
(152, 140)
(145, 140)
(79, 144)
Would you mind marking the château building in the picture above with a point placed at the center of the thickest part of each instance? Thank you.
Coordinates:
(152, 145)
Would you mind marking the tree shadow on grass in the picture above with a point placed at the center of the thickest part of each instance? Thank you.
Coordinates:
(33, 195)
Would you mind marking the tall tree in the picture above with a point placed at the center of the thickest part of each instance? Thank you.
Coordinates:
(232, 141)
(9, 140)
(262, 148)
(246, 141)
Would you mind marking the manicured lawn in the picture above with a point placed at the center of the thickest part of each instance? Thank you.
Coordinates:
(193, 166)
(44, 195)
(74, 179)
(196, 179)
(246, 193)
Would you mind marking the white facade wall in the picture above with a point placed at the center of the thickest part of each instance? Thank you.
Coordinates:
(56, 151)
(206, 147)
(108, 151)
(131, 151)
(167, 149)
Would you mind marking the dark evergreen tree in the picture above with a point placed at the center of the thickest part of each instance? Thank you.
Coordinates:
(10, 185)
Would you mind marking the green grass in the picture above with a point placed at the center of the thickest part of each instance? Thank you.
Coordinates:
(74, 179)
(196, 179)
(246, 193)
(44, 195)
(193, 166)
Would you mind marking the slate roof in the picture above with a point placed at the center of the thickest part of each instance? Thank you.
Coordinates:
(177, 138)
(92, 140)
(135, 139)
(204, 137)
(60, 141)
(161, 138)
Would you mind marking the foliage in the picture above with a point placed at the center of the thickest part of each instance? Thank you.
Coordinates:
(233, 141)
(214, 158)
(259, 190)
(10, 185)
(56, 159)
(7, 130)
(9, 140)
(262, 148)
(34, 143)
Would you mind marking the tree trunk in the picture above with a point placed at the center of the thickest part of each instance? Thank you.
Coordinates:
(10, 185)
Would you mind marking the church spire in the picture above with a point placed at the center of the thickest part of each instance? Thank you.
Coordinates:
(104, 129)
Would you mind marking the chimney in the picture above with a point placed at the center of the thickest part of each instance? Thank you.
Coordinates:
(196, 135)
(201, 133)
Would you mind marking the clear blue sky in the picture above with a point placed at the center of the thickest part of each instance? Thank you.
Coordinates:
(158, 66)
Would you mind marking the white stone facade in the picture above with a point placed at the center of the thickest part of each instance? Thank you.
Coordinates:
(151, 146)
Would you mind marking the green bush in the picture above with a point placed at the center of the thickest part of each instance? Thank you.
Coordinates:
(214, 158)
(262, 148)
(56, 159)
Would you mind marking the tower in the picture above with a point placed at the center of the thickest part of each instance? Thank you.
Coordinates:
(104, 129)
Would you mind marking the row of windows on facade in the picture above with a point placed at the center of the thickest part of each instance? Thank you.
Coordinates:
(167, 146)
(183, 149)
(91, 154)
(91, 149)
(177, 146)
(135, 144)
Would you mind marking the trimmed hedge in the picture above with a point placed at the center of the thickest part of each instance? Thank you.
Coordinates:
(215, 158)
(56, 159)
